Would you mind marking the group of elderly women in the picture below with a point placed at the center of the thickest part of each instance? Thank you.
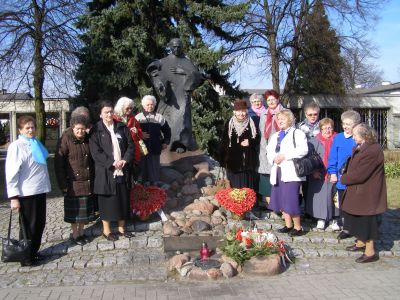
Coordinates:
(260, 143)
(93, 166)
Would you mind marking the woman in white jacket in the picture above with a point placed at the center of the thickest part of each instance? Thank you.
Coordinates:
(285, 145)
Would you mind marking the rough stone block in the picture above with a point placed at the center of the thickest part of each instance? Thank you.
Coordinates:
(266, 265)
(65, 265)
(105, 245)
(198, 274)
(95, 263)
(155, 242)
(80, 264)
(155, 226)
(122, 244)
(139, 242)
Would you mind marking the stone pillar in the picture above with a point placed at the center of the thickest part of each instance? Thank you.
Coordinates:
(13, 126)
(63, 121)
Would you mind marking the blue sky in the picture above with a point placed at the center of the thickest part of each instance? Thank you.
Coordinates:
(386, 36)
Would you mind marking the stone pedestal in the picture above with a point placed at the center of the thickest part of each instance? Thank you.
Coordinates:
(189, 161)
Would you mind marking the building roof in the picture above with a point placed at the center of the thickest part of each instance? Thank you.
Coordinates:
(393, 88)
(15, 96)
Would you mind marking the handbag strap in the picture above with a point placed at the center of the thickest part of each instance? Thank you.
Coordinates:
(294, 140)
(9, 228)
(22, 224)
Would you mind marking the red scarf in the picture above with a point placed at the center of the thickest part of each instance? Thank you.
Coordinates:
(327, 143)
(132, 122)
(271, 119)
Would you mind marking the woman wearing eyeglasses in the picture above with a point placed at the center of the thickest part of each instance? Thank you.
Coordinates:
(342, 147)
(286, 144)
(257, 108)
(320, 190)
(267, 127)
(310, 125)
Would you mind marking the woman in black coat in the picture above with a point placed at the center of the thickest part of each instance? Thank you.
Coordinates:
(112, 150)
(238, 152)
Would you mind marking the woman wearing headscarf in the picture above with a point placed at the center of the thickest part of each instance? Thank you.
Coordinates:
(267, 127)
(28, 182)
(112, 149)
(238, 152)
(365, 198)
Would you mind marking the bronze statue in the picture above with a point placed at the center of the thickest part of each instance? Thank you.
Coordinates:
(174, 78)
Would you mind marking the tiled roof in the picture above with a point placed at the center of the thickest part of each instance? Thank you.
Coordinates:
(382, 89)
(15, 96)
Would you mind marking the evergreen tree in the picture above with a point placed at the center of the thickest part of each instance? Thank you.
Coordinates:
(320, 65)
(122, 37)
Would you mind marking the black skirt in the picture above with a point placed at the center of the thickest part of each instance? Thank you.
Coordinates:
(363, 228)
(243, 179)
(115, 207)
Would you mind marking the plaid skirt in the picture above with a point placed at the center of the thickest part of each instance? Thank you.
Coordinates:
(79, 209)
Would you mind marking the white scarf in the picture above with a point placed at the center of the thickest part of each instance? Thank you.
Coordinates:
(116, 149)
(240, 127)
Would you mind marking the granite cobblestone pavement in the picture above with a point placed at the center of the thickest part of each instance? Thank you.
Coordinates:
(135, 268)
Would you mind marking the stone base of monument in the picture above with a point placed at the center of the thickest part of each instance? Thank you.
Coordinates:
(175, 165)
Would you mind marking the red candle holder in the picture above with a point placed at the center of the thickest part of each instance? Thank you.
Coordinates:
(204, 251)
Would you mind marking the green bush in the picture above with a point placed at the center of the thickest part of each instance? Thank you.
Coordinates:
(392, 169)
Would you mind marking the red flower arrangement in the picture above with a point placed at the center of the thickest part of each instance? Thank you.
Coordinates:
(241, 245)
(238, 201)
(146, 200)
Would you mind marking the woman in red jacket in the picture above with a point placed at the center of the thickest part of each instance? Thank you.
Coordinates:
(365, 199)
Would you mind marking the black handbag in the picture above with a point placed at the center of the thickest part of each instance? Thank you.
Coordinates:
(304, 166)
(345, 166)
(16, 250)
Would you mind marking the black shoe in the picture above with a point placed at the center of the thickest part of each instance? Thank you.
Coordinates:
(367, 259)
(285, 229)
(354, 248)
(126, 234)
(343, 235)
(86, 238)
(76, 241)
(40, 257)
(296, 232)
(29, 263)
(110, 237)
(26, 263)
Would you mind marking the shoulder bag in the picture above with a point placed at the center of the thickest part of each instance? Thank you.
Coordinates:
(16, 250)
(304, 166)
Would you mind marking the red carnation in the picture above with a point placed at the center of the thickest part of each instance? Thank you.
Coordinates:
(238, 205)
(146, 200)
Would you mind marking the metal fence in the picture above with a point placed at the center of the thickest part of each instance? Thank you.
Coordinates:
(374, 117)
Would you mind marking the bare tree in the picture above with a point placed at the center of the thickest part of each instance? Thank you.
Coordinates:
(272, 31)
(38, 47)
(358, 71)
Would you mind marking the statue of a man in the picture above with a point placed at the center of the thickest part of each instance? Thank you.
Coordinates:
(174, 78)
